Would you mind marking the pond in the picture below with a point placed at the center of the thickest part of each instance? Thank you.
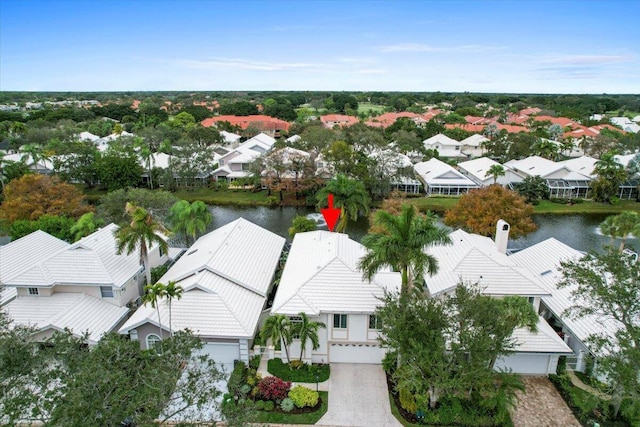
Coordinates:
(578, 231)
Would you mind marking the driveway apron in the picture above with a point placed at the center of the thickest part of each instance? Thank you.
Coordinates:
(358, 397)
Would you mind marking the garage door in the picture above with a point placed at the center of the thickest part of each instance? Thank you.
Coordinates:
(355, 353)
(223, 353)
(528, 364)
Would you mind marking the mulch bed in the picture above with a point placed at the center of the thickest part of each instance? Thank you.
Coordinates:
(296, 410)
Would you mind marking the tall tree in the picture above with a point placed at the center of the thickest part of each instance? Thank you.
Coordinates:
(607, 285)
(479, 210)
(153, 295)
(496, 171)
(621, 226)
(172, 291)
(141, 233)
(349, 195)
(85, 225)
(301, 224)
(401, 245)
(278, 329)
(190, 219)
(610, 175)
(146, 155)
(307, 330)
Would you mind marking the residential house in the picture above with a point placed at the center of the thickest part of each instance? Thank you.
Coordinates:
(226, 277)
(287, 166)
(478, 171)
(387, 119)
(85, 286)
(267, 125)
(475, 259)
(560, 179)
(237, 162)
(230, 139)
(542, 261)
(42, 166)
(446, 147)
(321, 278)
(340, 120)
(473, 146)
(442, 179)
(625, 124)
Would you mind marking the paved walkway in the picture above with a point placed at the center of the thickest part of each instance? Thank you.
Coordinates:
(541, 406)
(578, 383)
(358, 397)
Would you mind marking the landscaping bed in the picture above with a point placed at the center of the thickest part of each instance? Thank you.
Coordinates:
(304, 374)
(306, 415)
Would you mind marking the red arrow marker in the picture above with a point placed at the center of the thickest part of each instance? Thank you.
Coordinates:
(330, 214)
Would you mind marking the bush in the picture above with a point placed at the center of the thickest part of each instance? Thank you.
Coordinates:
(296, 364)
(390, 362)
(269, 406)
(407, 401)
(259, 405)
(237, 379)
(306, 373)
(254, 362)
(273, 388)
(158, 272)
(287, 405)
(303, 396)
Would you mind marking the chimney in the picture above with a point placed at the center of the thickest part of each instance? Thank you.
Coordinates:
(502, 236)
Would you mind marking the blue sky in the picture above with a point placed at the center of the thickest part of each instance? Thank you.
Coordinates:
(478, 46)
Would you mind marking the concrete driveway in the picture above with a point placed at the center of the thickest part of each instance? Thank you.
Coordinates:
(358, 397)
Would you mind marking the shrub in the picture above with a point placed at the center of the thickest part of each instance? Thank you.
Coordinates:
(273, 388)
(245, 389)
(254, 362)
(390, 362)
(287, 405)
(269, 406)
(407, 401)
(303, 396)
(259, 405)
(296, 364)
(306, 373)
(236, 379)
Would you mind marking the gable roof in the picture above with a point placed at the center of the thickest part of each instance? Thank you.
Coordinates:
(543, 261)
(96, 253)
(474, 140)
(475, 259)
(435, 171)
(322, 275)
(77, 312)
(225, 276)
(441, 139)
(535, 166)
(583, 165)
(479, 167)
(266, 122)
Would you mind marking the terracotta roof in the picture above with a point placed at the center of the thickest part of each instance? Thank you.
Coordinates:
(530, 111)
(475, 120)
(338, 119)
(387, 119)
(266, 122)
(562, 121)
(481, 128)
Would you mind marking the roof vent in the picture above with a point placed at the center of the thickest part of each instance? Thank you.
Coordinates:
(192, 252)
(544, 273)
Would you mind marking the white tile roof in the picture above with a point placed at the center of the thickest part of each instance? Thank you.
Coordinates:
(229, 137)
(534, 166)
(624, 159)
(441, 139)
(225, 276)
(96, 254)
(20, 254)
(87, 136)
(435, 172)
(583, 165)
(545, 340)
(7, 295)
(321, 275)
(474, 259)
(542, 260)
(77, 312)
(478, 167)
(474, 140)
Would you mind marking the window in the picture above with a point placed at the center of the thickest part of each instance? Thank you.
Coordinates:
(33, 291)
(532, 300)
(340, 321)
(295, 322)
(106, 291)
(375, 322)
(161, 251)
(153, 342)
(220, 162)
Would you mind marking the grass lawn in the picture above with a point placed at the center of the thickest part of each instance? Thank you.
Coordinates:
(281, 370)
(310, 418)
(363, 107)
(227, 197)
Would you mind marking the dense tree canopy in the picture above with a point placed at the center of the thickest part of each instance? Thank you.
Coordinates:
(479, 210)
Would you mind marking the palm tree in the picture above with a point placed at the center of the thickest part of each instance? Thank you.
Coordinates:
(307, 330)
(609, 227)
(277, 328)
(146, 155)
(190, 219)
(621, 226)
(495, 171)
(33, 152)
(610, 175)
(153, 295)
(545, 148)
(141, 233)
(402, 246)
(85, 225)
(171, 291)
(349, 195)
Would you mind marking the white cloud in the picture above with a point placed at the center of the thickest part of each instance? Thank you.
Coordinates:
(245, 64)
(418, 47)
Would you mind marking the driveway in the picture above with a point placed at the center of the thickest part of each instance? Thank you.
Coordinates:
(541, 406)
(358, 397)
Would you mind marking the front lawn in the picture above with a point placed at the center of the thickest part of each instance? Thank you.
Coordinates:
(285, 418)
(305, 374)
(227, 196)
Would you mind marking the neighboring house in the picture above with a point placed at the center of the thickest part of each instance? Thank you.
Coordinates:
(324, 169)
(478, 171)
(447, 147)
(103, 143)
(226, 277)
(562, 182)
(42, 166)
(286, 165)
(387, 119)
(473, 145)
(543, 260)
(341, 120)
(442, 179)
(237, 162)
(268, 125)
(85, 286)
(321, 278)
(625, 124)
(475, 259)
(293, 139)
(87, 136)
(230, 139)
